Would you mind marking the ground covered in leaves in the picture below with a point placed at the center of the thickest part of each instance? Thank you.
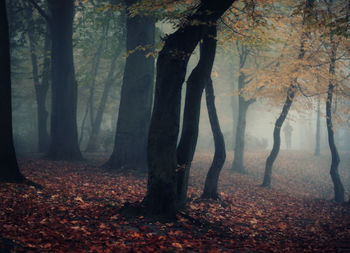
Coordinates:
(78, 210)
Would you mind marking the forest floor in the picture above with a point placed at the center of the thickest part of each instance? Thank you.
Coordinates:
(78, 210)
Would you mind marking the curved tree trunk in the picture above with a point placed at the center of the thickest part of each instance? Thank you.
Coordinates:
(277, 136)
(287, 104)
(136, 95)
(338, 186)
(171, 70)
(9, 170)
(211, 181)
(189, 135)
(64, 134)
(318, 130)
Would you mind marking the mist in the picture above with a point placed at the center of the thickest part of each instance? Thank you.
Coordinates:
(157, 126)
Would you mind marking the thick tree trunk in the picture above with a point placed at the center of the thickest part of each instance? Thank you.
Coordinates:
(189, 135)
(92, 143)
(338, 186)
(212, 179)
(171, 70)
(318, 130)
(136, 95)
(9, 170)
(64, 135)
(277, 136)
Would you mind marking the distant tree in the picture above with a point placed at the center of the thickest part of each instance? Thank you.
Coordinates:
(41, 85)
(243, 105)
(136, 94)
(171, 70)
(9, 170)
(64, 135)
(318, 128)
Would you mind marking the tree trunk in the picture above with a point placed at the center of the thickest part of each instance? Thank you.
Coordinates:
(42, 87)
(171, 70)
(277, 136)
(318, 128)
(92, 143)
(287, 104)
(64, 134)
(212, 179)
(94, 69)
(189, 135)
(9, 170)
(136, 95)
(338, 186)
(237, 165)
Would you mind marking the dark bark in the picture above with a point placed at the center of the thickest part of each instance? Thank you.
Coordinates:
(288, 103)
(212, 179)
(9, 170)
(171, 70)
(42, 87)
(136, 95)
(92, 143)
(318, 130)
(277, 136)
(338, 186)
(189, 135)
(64, 134)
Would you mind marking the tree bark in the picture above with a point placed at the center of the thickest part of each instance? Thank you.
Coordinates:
(338, 186)
(212, 179)
(9, 170)
(136, 95)
(189, 135)
(277, 136)
(171, 70)
(318, 128)
(64, 134)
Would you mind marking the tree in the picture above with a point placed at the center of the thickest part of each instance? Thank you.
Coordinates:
(171, 69)
(318, 129)
(41, 86)
(292, 89)
(338, 186)
(136, 94)
(196, 83)
(243, 105)
(211, 181)
(64, 135)
(9, 168)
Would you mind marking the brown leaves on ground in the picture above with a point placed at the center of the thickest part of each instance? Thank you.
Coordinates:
(78, 211)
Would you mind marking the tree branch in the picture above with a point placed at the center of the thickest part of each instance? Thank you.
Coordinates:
(40, 10)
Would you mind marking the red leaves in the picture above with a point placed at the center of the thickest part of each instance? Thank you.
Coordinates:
(78, 211)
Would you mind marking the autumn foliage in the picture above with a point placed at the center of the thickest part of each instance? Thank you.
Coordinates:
(79, 210)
